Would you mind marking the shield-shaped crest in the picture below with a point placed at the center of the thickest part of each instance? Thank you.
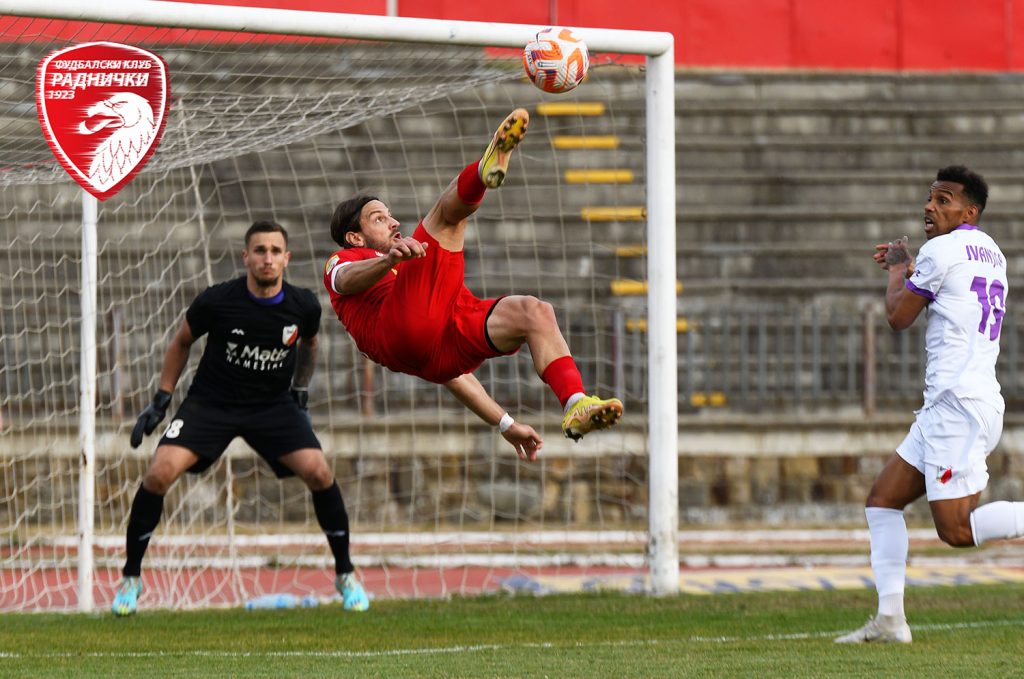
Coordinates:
(289, 335)
(102, 107)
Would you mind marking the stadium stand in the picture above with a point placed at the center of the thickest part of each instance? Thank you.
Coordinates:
(785, 181)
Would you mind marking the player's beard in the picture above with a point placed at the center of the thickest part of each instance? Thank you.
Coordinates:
(383, 245)
(267, 281)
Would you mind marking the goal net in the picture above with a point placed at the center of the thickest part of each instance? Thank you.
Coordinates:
(282, 127)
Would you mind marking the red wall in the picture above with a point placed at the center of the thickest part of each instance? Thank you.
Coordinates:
(867, 34)
(933, 35)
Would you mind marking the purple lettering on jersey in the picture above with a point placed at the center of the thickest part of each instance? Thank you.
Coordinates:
(992, 300)
(997, 295)
(980, 287)
(927, 294)
(980, 253)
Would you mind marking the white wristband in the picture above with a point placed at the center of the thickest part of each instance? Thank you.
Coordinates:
(505, 422)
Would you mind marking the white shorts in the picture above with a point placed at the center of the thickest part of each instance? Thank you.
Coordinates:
(949, 444)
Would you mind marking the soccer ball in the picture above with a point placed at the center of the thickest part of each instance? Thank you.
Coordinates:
(556, 60)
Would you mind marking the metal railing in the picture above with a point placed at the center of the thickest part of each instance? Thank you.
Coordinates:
(784, 358)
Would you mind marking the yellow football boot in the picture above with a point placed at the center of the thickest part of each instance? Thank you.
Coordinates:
(590, 413)
(494, 163)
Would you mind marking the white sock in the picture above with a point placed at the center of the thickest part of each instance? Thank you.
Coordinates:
(572, 401)
(889, 546)
(892, 605)
(997, 521)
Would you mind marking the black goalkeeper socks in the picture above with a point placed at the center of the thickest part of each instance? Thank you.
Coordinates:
(147, 508)
(142, 521)
(333, 519)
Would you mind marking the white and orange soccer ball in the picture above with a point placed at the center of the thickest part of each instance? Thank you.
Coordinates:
(556, 60)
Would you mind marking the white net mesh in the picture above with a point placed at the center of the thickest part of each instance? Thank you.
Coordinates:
(267, 127)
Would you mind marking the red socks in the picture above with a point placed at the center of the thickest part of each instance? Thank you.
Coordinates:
(470, 188)
(563, 377)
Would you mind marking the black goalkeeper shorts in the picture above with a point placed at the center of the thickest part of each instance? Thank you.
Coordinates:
(272, 429)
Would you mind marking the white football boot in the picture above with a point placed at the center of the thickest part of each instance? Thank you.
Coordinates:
(882, 628)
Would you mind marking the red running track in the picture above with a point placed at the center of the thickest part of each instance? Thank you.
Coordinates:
(56, 589)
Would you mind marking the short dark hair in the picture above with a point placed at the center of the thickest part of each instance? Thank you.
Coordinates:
(265, 226)
(346, 217)
(975, 186)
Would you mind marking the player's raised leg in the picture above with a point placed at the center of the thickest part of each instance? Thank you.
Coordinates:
(310, 465)
(493, 166)
(167, 465)
(520, 319)
(446, 221)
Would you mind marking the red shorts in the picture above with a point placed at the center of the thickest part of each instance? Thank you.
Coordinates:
(436, 328)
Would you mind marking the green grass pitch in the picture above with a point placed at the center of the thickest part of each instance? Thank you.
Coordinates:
(973, 631)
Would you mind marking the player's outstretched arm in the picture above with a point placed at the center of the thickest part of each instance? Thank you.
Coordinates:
(176, 356)
(360, 276)
(524, 439)
(175, 360)
(468, 390)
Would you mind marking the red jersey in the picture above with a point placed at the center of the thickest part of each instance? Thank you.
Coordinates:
(418, 319)
(358, 313)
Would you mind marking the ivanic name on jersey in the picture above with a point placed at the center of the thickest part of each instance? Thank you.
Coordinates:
(982, 254)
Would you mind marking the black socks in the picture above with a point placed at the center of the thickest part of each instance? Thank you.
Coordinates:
(142, 521)
(333, 519)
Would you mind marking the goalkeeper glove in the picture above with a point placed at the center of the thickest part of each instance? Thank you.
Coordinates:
(301, 397)
(150, 417)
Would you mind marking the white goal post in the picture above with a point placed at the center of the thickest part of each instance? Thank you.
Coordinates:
(659, 168)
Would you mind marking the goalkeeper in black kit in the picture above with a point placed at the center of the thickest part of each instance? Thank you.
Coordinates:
(252, 382)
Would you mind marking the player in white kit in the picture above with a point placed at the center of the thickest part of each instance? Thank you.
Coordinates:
(960, 278)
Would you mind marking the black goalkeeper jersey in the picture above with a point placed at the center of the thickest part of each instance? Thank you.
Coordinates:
(250, 352)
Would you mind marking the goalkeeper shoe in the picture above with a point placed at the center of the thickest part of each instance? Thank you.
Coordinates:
(494, 163)
(881, 628)
(127, 597)
(590, 413)
(353, 596)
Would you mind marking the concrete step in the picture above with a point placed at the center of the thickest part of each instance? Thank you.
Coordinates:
(884, 153)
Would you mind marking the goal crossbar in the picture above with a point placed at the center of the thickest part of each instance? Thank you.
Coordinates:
(330, 25)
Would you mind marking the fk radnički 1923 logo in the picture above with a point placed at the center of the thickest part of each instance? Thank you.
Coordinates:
(102, 107)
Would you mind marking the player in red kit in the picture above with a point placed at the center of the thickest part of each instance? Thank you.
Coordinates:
(404, 301)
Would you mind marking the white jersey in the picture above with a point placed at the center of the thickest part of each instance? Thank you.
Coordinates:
(963, 273)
